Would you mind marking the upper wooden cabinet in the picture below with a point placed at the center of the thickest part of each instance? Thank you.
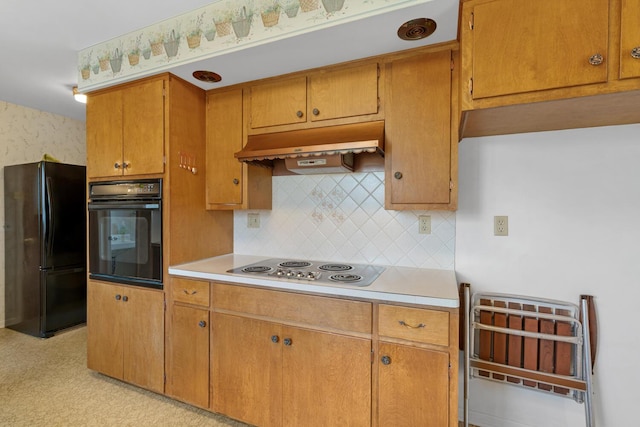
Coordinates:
(322, 95)
(523, 46)
(420, 141)
(630, 39)
(541, 65)
(230, 183)
(125, 130)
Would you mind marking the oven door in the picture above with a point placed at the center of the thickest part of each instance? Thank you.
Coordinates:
(125, 242)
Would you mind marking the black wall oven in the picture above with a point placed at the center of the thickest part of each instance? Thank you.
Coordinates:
(125, 232)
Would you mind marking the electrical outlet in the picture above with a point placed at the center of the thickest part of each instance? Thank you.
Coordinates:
(424, 224)
(501, 225)
(253, 220)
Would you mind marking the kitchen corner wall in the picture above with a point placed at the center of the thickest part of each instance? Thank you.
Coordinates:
(25, 136)
(341, 217)
(573, 202)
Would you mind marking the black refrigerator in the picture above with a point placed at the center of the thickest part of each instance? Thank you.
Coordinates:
(45, 247)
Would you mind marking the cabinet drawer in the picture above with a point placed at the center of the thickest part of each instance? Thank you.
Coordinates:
(317, 311)
(190, 291)
(414, 324)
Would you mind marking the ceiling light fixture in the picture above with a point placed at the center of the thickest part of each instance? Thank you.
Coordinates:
(207, 76)
(417, 29)
(80, 97)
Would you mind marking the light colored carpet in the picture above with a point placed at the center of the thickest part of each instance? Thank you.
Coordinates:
(47, 383)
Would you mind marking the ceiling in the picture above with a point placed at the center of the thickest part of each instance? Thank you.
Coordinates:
(40, 41)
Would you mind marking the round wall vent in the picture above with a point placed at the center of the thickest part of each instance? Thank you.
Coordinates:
(207, 76)
(417, 29)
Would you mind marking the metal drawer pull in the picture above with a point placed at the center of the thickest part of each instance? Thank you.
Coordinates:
(287, 341)
(596, 59)
(386, 360)
(403, 323)
(275, 339)
(187, 292)
(635, 52)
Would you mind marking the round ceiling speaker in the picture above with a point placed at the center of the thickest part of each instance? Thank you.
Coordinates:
(417, 29)
(207, 76)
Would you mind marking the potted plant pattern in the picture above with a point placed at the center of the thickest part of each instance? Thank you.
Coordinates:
(104, 61)
(308, 5)
(332, 5)
(134, 51)
(242, 22)
(291, 7)
(222, 21)
(171, 43)
(116, 61)
(156, 45)
(195, 32)
(270, 13)
(85, 69)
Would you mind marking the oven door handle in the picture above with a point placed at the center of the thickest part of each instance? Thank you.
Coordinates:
(93, 206)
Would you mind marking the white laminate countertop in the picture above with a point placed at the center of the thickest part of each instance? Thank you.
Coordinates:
(397, 284)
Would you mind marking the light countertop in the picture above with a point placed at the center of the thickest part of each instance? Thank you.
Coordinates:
(396, 284)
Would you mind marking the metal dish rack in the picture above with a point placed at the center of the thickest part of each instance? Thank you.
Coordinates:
(534, 343)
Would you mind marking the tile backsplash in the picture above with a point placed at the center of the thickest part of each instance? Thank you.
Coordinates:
(341, 217)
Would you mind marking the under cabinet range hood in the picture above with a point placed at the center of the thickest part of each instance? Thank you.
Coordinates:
(329, 148)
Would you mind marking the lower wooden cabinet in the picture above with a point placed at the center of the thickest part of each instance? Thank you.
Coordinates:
(125, 333)
(268, 374)
(413, 386)
(188, 355)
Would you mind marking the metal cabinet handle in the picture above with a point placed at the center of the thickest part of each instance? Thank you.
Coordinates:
(596, 59)
(116, 165)
(397, 175)
(275, 338)
(125, 165)
(316, 112)
(202, 323)
(236, 181)
(125, 298)
(118, 297)
(287, 341)
(386, 360)
(635, 52)
(420, 325)
(190, 293)
(299, 113)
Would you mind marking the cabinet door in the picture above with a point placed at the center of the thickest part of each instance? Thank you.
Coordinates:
(630, 39)
(224, 138)
(281, 102)
(413, 387)
(104, 134)
(143, 128)
(326, 379)
(104, 329)
(188, 373)
(144, 338)
(246, 369)
(344, 93)
(418, 129)
(522, 45)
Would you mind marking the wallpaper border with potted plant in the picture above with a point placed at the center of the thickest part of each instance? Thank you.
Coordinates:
(221, 27)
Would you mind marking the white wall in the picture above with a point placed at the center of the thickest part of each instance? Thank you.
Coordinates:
(573, 201)
(25, 136)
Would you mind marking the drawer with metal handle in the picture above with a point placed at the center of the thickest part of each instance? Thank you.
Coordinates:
(188, 291)
(414, 324)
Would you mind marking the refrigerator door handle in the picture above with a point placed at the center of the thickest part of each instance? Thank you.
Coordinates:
(49, 222)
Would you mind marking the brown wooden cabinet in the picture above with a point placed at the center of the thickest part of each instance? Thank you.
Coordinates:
(230, 183)
(417, 362)
(188, 353)
(524, 46)
(548, 65)
(630, 39)
(420, 141)
(125, 130)
(267, 372)
(125, 337)
(336, 93)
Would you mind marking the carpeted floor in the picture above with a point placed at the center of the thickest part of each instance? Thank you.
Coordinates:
(47, 383)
